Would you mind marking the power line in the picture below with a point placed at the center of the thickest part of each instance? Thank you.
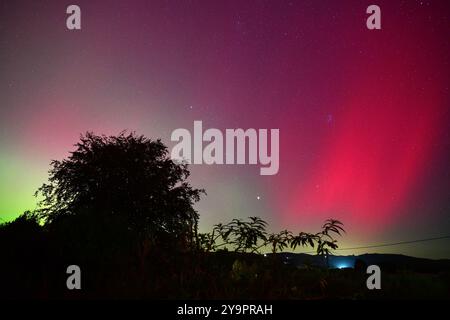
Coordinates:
(395, 243)
(390, 244)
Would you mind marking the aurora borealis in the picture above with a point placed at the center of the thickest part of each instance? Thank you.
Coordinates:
(363, 114)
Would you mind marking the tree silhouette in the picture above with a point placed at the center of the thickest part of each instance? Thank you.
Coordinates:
(121, 187)
(279, 241)
(251, 236)
(240, 235)
(326, 242)
(324, 239)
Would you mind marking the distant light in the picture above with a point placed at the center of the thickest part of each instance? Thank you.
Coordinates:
(342, 266)
(258, 197)
(265, 254)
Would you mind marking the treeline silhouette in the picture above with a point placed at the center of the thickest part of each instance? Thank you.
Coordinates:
(118, 207)
(122, 210)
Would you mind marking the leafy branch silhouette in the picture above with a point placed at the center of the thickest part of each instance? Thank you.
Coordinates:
(252, 236)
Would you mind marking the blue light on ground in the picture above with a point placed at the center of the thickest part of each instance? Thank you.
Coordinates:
(342, 263)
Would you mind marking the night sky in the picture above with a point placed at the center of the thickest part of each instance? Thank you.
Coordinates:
(363, 114)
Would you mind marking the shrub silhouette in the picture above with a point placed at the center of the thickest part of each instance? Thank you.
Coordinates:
(23, 249)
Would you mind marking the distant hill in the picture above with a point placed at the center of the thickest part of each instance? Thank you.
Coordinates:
(389, 262)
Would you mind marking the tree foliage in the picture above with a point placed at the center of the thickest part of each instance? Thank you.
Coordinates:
(252, 236)
(127, 182)
(242, 236)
